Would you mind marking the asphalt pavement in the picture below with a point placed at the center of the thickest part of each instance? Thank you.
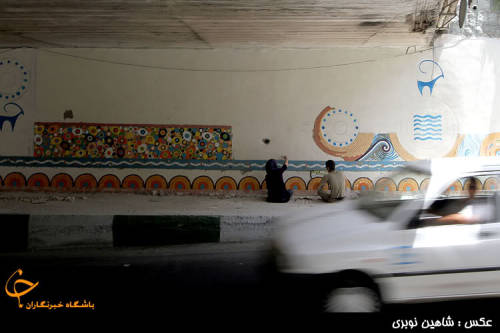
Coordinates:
(208, 284)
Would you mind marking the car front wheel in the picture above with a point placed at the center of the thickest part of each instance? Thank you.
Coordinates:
(352, 299)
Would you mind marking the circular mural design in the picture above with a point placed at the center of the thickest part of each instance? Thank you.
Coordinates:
(491, 145)
(468, 182)
(313, 184)
(385, 184)
(203, 183)
(226, 183)
(85, 182)
(14, 180)
(180, 183)
(62, 181)
(109, 182)
(133, 182)
(156, 182)
(456, 186)
(336, 129)
(362, 184)
(14, 79)
(426, 135)
(348, 184)
(39, 180)
(491, 184)
(408, 185)
(424, 185)
(249, 184)
(295, 184)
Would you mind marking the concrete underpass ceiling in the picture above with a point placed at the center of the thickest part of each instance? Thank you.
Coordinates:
(219, 23)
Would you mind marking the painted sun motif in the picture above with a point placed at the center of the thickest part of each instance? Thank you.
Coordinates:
(339, 127)
(336, 132)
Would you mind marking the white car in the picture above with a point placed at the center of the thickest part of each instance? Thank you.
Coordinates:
(355, 255)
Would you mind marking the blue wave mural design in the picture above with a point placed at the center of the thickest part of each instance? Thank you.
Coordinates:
(426, 138)
(430, 129)
(427, 127)
(245, 165)
(427, 116)
(381, 149)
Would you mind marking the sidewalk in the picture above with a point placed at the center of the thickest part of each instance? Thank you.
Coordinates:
(36, 220)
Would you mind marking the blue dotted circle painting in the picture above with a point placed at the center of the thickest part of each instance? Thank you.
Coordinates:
(14, 79)
(339, 127)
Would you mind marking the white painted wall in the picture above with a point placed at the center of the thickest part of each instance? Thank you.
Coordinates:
(377, 84)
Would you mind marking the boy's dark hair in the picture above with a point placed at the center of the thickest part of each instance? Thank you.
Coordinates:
(474, 183)
(330, 165)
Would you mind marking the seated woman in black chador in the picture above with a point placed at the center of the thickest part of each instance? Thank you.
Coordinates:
(276, 191)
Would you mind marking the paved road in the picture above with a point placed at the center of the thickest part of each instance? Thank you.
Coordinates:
(214, 280)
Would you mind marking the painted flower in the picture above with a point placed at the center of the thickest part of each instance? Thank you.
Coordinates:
(53, 128)
(92, 146)
(165, 155)
(67, 136)
(80, 153)
(225, 136)
(64, 145)
(202, 144)
(38, 152)
(162, 147)
(120, 152)
(92, 130)
(150, 140)
(39, 129)
(121, 140)
(38, 140)
(142, 148)
(187, 136)
(162, 132)
(142, 132)
(108, 153)
(89, 138)
(129, 135)
(77, 131)
(109, 140)
(115, 130)
(207, 136)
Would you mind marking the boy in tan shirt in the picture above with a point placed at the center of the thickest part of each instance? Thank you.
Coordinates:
(335, 181)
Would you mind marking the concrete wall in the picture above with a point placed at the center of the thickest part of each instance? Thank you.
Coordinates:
(296, 98)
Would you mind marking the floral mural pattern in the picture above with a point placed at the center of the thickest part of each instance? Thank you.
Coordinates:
(178, 142)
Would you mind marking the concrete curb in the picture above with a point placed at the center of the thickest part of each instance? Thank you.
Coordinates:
(21, 232)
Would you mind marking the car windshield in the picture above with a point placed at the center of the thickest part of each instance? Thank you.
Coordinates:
(391, 191)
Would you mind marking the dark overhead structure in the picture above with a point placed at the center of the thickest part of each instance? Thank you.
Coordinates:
(222, 23)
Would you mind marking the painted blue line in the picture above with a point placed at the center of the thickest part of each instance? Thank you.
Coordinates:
(426, 116)
(427, 138)
(248, 165)
(427, 125)
(427, 129)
